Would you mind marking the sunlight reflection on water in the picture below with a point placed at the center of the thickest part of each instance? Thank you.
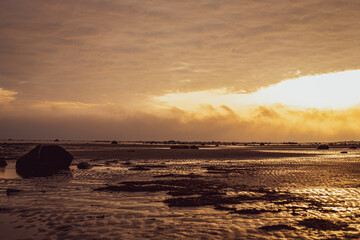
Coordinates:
(9, 172)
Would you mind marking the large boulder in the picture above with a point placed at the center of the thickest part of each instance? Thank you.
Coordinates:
(43, 160)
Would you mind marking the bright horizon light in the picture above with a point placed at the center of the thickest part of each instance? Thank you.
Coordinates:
(334, 90)
(330, 91)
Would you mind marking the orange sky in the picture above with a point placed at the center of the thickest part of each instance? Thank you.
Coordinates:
(190, 70)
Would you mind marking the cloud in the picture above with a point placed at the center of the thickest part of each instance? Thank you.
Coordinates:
(266, 113)
(87, 48)
(6, 96)
(66, 56)
(169, 125)
(204, 115)
(271, 123)
(73, 106)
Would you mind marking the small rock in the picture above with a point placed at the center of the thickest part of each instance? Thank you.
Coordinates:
(3, 162)
(5, 210)
(11, 191)
(323, 224)
(139, 168)
(84, 165)
(277, 227)
(179, 147)
(323, 146)
(111, 162)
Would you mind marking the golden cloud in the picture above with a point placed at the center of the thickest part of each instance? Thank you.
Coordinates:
(6, 96)
(63, 105)
(262, 123)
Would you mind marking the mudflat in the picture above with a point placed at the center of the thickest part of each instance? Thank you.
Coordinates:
(149, 191)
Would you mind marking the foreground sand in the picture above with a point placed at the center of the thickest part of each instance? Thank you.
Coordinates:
(139, 191)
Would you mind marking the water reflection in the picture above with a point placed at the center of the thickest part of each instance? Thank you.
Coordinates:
(8, 172)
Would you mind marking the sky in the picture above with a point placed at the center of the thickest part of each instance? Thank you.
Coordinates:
(261, 70)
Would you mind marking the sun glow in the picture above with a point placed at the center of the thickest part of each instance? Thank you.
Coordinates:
(327, 91)
(335, 90)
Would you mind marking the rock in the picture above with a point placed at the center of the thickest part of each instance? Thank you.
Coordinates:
(5, 210)
(110, 162)
(11, 191)
(43, 160)
(3, 162)
(277, 227)
(323, 146)
(114, 142)
(179, 147)
(139, 168)
(323, 224)
(353, 147)
(84, 165)
(194, 147)
(344, 152)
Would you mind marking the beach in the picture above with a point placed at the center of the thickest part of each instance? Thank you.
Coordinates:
(149, 191)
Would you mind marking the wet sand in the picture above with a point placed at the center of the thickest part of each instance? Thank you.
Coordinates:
(137, 191)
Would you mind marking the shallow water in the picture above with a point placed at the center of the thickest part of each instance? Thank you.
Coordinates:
(64, 206)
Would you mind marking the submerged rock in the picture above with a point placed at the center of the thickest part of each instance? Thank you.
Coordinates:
(139, 168)
(114, 142)
(5, 210)
(323, 224)
(43, 160)
(179, 147)
(11, 191)
(253, 211)
(323, 146)
(277, 227)
(184, 147)
(3, 162)
(84, 165)
(110, 162)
